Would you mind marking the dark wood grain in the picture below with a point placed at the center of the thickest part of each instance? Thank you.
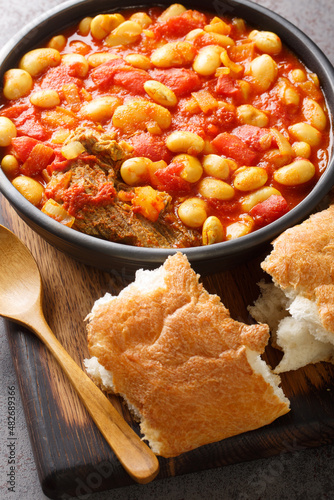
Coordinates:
(72, 457)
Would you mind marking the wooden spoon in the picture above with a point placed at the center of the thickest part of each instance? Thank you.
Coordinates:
(21, 301)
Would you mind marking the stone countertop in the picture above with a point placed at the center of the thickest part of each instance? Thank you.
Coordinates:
(302, 474)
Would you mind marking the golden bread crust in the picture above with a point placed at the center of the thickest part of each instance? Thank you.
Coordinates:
(181, 361)
(302, 261)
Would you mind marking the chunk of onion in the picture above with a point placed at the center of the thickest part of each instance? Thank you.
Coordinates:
(57, 212)
(72, 150)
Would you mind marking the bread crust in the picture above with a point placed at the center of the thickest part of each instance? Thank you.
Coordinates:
(182, 362)
(302, 263)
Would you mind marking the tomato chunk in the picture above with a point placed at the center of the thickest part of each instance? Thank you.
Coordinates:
(75, 197)
(257, 138)
(152, 147)
(57, 77)
(27, 124)
(103, 75)
(227, 86)
(116, 71)
(39, 158)
(169, 179)
(58, 166)
(232, 146)
(181, 80)
(179, 26)
(269, 210)
(15, 111)
(132, 80)
(22, 147)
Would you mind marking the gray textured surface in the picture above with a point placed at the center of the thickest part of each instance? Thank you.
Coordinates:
(301, 474)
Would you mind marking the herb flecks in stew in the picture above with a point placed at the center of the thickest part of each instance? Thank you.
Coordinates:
(157, 128)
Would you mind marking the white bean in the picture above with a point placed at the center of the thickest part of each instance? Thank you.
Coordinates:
(264, 70)
(182, 141)
(192, 169)
(305, 132)
(138, 61)
(102, 24)
(250, 178)
(38, 60)
(84, 26)
(208, 60)
(266, 41)
(101, 108)
(141, 18)
(248, 114)
(78, 62)
(215, 188)
(193, 34)
(29, 188)
(314, 114)
(125, 34)
(302, 149)
(160, 93)
(262, 194)
(297, 76)
(142, 115)
(216, 166)
(213, 231)
(45, 98)
(7, 131)
(98, 58)
(57, 42)
(10, 165)
(193, 212)
(17, 83)
(173, 10)
(173, 54)
(297, 172)
(135, 171)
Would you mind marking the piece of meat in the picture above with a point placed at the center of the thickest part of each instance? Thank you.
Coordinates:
(109, 152)
(88, 189)
(116, 223)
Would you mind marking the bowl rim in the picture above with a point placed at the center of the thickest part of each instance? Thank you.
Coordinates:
(155, 255)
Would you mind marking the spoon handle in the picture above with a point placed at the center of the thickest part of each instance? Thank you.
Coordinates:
(135, 456)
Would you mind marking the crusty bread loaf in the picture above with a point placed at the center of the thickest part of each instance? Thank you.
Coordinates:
(191, 374)
(301, 265)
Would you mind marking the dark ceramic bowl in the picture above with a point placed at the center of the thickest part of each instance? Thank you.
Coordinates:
(125, 259)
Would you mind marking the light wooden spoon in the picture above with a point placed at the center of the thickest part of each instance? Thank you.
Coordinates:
(21, 301)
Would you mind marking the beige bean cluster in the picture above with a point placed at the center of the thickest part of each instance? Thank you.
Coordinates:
(211, 53)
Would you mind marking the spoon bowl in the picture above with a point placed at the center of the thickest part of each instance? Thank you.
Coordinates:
(21, 301)
(15, 301)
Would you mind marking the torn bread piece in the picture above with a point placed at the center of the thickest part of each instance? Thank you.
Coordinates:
(187, 370)
(299, 305)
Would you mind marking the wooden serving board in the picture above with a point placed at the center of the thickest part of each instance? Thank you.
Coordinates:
(71, 455)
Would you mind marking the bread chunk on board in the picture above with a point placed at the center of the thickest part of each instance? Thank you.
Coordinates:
(190, 373)
(299, 304)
